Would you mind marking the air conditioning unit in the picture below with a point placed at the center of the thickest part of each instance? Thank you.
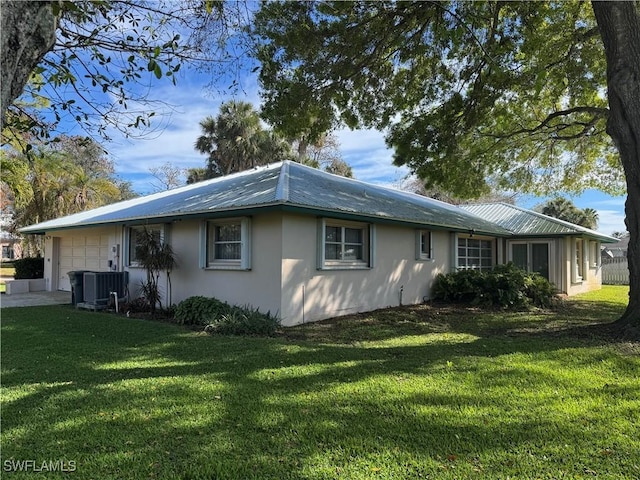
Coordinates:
(99, 285)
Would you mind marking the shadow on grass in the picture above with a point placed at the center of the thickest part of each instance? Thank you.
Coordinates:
(140, 399)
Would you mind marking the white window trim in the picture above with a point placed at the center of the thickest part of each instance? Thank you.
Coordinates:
(127, 240)
(420, 255)
(206, 229)
(368, 247)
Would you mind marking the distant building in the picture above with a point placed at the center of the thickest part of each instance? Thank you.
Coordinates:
(9, 243)
(616, 250)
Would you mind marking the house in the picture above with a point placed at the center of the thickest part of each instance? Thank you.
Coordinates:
(566, 254)
(616, 250)
(309, 245)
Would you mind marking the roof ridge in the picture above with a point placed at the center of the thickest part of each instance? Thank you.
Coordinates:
(282, 187)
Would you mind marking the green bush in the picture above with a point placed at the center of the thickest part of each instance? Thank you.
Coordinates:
(200, 310)
(244, 321)
(506, 286)
(28, 268)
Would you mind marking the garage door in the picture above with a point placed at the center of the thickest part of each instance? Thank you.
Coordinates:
(81, 253)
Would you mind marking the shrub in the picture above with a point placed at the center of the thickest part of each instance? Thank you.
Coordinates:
(244, 321)
(200, 310)
(506, 286)
(28, 268)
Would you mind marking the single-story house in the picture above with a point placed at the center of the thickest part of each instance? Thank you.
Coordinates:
(310, 245)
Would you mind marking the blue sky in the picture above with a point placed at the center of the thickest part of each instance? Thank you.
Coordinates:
(176, 130)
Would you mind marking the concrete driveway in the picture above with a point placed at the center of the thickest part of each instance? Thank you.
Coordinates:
(33, 299)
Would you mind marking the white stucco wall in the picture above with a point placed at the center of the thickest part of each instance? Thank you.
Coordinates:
(259, 287)
(592, 278)
(309, 294)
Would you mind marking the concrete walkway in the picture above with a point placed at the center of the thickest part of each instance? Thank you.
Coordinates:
(33, 299)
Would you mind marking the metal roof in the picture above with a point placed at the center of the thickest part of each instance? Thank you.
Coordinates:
(523, 222)
(282, 185)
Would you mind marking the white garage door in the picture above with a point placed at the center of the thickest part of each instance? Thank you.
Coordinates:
(81, 253)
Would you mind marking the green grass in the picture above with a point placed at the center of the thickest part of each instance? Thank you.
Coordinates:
(5, 271)
(415, 392)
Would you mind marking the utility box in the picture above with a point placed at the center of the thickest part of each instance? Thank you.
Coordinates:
(76, 278)
(100, 286)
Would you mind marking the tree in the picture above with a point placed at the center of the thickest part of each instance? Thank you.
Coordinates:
(413, 184)
(565, 209)
(90, 57)
(60, 178)
(325, 154)
(235, 141)
(473, 93)
(167, 176)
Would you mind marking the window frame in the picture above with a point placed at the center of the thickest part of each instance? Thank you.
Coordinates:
(367, 245)
(578, 262)
(209, 242)
(132, 237)
(421, 254)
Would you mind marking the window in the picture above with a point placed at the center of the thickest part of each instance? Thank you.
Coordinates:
(594, 254)
(578, 268)
(475, 253)
(424, 249)
(345, 244)
(532, 256)
(227, 244)
(136, 237)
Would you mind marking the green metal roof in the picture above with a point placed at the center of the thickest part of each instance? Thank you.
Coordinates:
(523, 222)
(294, 187)
(286, 185)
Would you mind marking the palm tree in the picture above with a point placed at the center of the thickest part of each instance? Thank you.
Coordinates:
(589, 218)
(564, 209)
(232, 140)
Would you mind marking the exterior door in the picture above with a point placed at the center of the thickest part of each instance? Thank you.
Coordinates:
(531, 257)
(81, 253)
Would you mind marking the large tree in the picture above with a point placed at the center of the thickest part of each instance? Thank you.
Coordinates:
(518, 94)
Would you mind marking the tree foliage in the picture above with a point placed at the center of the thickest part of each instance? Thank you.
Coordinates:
(66, 176)
(324, 154)
(99, 70)
(472, 93)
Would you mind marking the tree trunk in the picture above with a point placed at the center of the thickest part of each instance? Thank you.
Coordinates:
(28, 32)
(619, 24)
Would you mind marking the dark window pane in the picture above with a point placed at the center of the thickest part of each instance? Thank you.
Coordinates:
(353, 252)
(227, 251)
(353, 235)
(228, 233)
(333, 234)
(332, 251)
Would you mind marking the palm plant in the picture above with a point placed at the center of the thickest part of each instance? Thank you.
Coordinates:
(155, 256)
(235, 141)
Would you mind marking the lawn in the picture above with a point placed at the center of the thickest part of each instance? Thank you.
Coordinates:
(414, 392)
(6, 271)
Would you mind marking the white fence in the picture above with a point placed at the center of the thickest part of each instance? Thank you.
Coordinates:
(615, 271)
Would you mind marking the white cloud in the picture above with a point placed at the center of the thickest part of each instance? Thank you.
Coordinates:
(369, 156)
(610, 221)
